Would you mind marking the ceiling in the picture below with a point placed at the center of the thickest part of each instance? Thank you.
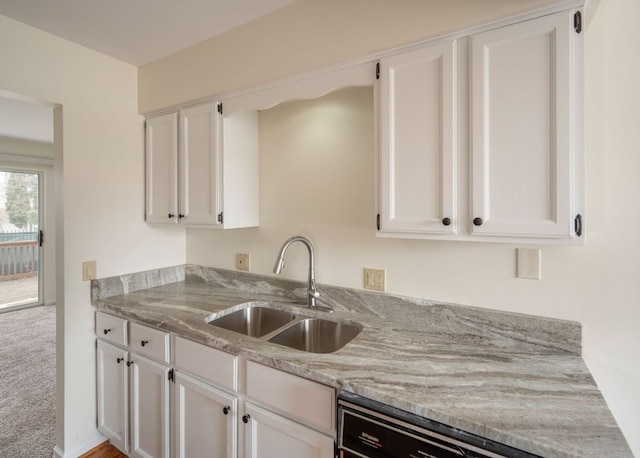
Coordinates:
(137, 31)
(133, 31)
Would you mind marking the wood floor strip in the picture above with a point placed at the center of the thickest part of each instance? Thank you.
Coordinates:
(104, 450)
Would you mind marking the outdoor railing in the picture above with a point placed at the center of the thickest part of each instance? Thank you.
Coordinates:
(18, 259)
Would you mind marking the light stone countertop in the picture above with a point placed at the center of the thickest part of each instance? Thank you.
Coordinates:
(515, 379)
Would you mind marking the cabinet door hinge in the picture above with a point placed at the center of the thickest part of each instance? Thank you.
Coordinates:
(577, 225)
(378, 221)
(171, 376)
(577, 21)
(220, 108)
(377, 70)
(220, 217)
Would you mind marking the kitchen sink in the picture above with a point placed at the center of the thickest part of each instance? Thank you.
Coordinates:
(254, 321)
(315, 335)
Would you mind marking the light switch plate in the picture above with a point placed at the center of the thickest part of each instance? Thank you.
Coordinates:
(375, 279)
(243, 262)
(88, 270)
(529, 265)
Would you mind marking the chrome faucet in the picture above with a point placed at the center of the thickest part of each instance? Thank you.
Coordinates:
(312, 291)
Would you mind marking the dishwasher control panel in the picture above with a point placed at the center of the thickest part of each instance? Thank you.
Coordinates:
(369, 429)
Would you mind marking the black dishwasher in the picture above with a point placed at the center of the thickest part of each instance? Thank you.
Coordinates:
(370, 429)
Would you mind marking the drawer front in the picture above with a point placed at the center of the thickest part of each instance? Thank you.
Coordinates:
(308, 402)
(111, 328)
(149, 342)
(209, 364)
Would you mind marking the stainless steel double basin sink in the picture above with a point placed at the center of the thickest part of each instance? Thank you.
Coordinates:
(313, 335)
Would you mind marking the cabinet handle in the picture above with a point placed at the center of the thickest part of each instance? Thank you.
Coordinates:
(144, 342)
(119, 360)
(129, 363)
(226, 410)
(446, 221)
(477, 221)
(107, 331)
(245, 418)
(171, 215)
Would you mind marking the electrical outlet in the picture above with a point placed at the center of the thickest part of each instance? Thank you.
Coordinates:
(88, 270)
(375, 279)
(242, 261)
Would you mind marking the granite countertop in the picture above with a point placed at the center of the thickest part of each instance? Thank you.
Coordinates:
(515, 379)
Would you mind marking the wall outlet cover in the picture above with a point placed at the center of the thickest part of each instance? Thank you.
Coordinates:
(375, 279)
(529, 265)
(89, 270)
(243, 262)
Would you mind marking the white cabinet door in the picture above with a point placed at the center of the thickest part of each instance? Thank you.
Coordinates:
(162, 169)
(269, 435)
(150, 408)
(240, 191)
(416, 93)
(205, 420)
(200, 165)
(113, 394)
(523, 130)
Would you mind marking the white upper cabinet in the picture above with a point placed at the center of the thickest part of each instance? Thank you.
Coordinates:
(417, 140)
(162, 169)
(209, 178)
(199, 165)
(524, 148)
(480, 138)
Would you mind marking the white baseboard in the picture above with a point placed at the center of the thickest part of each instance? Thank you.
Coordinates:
(84, 448)
(51, 302)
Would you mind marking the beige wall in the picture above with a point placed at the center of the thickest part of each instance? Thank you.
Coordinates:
(99, 168)
(596, 285)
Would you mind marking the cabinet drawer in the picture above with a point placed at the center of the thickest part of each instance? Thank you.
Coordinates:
(150, 342)
(308, 402)
(207, 363)
(111, 328)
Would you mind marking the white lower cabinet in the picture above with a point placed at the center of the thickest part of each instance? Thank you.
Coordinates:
(271, 435)
(133, 390)
(149, 408)
(197, 401)
(287, 415)
(205, 420)
(113, 394)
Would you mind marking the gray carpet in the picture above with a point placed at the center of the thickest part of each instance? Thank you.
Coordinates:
(27, 382)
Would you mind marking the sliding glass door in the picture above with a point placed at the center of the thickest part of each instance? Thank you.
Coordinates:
(21, 239)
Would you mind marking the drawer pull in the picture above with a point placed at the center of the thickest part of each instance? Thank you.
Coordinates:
(226, 410)
(245, 418)
(144, 342)
(107, 331)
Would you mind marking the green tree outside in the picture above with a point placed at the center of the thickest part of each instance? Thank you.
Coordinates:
(22, 200)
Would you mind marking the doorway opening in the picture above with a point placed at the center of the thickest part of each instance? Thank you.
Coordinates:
(21, 239)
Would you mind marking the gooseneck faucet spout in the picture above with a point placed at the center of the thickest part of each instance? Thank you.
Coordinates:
(312, 291)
